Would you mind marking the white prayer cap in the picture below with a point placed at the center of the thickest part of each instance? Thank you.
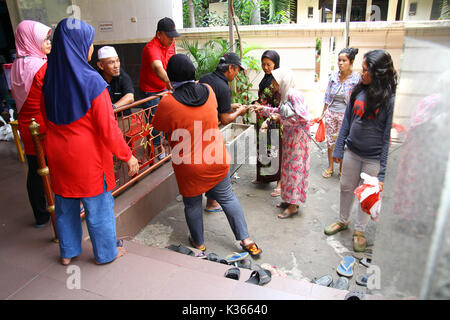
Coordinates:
(106, 52)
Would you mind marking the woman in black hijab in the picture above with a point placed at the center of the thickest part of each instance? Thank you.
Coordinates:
(267, 96)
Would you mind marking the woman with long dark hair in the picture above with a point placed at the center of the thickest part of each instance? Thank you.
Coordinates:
(365, 132)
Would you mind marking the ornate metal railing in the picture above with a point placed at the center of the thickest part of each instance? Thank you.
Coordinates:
(138, 133)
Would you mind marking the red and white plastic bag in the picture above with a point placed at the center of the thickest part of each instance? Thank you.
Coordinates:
(368, 195)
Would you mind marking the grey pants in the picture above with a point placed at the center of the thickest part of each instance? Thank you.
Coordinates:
(223, 194)
(352, 167)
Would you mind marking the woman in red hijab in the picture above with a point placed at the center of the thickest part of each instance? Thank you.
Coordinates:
(27, 75)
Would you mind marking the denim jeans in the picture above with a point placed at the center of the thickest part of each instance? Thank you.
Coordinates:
(100, 220)
(223, 194)
(148, 104)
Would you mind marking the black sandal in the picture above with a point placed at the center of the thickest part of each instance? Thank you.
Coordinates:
(260, 277)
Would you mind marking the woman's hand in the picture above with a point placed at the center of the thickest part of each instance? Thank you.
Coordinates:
(257, 107)
(133, 166)
(337, 160)
(381, 184)
(275, 117)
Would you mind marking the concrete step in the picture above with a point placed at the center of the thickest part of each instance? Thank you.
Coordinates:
(195, 278)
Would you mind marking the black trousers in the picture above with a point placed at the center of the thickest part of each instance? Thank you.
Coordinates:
(36, 194)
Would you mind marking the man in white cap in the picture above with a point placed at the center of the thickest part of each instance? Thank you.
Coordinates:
(121, 88)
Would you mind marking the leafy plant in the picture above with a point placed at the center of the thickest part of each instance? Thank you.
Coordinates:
(206, 57)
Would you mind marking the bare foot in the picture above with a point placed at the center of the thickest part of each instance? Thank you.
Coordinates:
(65, 261)
(121, 252)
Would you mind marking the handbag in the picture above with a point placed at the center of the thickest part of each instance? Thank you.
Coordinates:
(287, 110)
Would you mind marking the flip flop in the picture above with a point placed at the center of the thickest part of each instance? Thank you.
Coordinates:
(214, 210)
(325, 281)
(276, 192)
(357, 246)
(327, 173)
(285, 215)
(362, 281)
(260, 277)
(366, 261)
(342, 284)
(212, 257)
(246, 264)
(345, 268)
(253, 249)
(202, 248)
(235, 257)
(233, 273)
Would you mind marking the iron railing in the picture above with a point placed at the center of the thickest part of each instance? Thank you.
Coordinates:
(137, 132)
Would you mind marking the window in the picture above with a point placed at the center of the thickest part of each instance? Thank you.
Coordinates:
(413, 9)
(310, 12)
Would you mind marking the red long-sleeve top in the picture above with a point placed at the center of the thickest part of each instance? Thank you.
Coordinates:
(79, 154)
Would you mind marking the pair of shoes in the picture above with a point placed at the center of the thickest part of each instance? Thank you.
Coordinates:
(345, 268)
(276, 192)
(202, 247)
(342, 283)
(357, 245)
(259, 277)
(335, 227)
(327, 173)
(253, 249)
(214, 210)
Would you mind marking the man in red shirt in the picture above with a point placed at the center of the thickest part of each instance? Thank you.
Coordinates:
(153, 77)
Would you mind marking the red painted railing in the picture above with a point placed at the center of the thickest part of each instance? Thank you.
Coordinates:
(137, 131)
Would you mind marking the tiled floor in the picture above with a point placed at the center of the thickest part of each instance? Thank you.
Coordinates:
(30, 268)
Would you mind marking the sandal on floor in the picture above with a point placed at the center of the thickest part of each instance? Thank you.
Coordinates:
(234, 257)
(202, 248)
(357, 246)
(285, 215)
(327, 173)
(342, 284)
(253, 249)
(260, 277)
(331, 229)
(276, 192)
(362, 281)
(345, 268)
(233, 273)
(181, 249)
(325, 280)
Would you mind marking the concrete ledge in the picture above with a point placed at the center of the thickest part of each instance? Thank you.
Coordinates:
(137, 206)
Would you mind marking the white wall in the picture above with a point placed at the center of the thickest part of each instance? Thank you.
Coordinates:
(302, 11)
(121, 14)
(423, 10)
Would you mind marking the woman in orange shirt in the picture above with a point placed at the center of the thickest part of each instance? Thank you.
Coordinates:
(199, 156)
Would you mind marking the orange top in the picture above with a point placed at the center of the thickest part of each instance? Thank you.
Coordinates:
(199, 156)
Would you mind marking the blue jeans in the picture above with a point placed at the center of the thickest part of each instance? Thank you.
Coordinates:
(148, 104)
(100, 220)
(223, 194)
